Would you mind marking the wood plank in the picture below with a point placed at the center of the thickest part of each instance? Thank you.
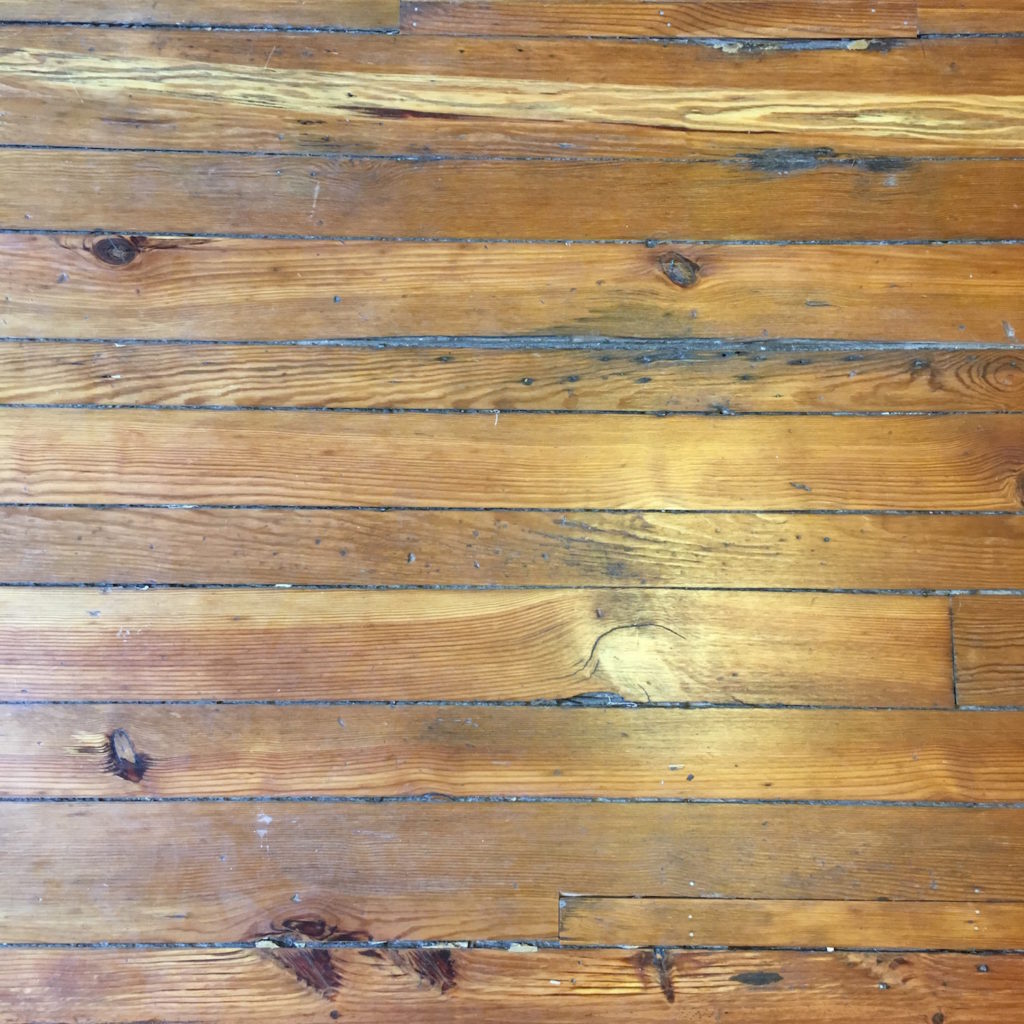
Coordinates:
(220, 872)
(774, 19)
(659, 379)
(774, 196)
(372, 750)
(481, 549)
(237, 289)
(355, 14)
(435, 95)
(813, 924)
(344, 459)
(485, 986)
(970, 16)
(989, 644)
(423, 645)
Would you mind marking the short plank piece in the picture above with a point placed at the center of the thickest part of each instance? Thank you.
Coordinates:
(775, 19)
(813, 924)
(626, 645)
(772, 196)
(662, 379)
(970, 16)
(961, 463)
(237, 289)
(487, 986)
(364, 94)
(143, 871)
(989, 647)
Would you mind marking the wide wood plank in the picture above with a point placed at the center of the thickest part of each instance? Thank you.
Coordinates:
(989, 647)
(432, 95)
(771, 196)
(481, 986)
(357, 14)
(813, 924)
(970, 16)
(542, 549)
(180, 871)
(640, 646)
(234, 289)
(774, 19)
(659, 379)
(575, 461)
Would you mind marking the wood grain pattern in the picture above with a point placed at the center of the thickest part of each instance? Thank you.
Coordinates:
(970, 16)
(584, 461)
(245, 750)
(358, 14)
(774, 196)
(190, 872)
(773, 19)
(568, 380)
(644, 645)
(989, 645)
(481, 549)
(435, 95)
(813, 924)
(477, 986)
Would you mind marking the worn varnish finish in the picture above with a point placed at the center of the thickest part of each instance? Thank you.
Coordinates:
(510, 473)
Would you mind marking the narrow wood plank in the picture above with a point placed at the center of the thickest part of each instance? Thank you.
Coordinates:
(570, 380)
(236, 289)
(813, 924)
(485, 986)
(373, 548)
(774, 19)
(989, 642)
(434, 95)
(180, 871)
(970, 16)
(774, 196)
(573, 461)
(644, 645)
(355, 14)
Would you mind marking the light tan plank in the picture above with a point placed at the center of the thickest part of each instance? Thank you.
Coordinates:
(234, 289)
(485, 986)
(424, 645)
(813, 924)
(774, 19)
(970, 16)
(155, 872)
(989, 640)
(436, 95)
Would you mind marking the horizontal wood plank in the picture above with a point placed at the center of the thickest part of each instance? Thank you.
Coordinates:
(436, 95)
(970, 16)
(989, 643)
(813, 924)
(370, 750)
(222, 872)
(423, 645)
(774, 19)
(485, 986)
(542, 549)
(962, 463)
(772, 196)
(356, 14)
(233, 289)
(568, 380)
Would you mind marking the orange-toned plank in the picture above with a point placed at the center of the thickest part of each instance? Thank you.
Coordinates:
(774, 19)
(989, 640)
(576, 380)
(181, 871)
(970, 16)
(433, 95)
(486, 986)
(232, 289)
(641, 645)
(811, 924)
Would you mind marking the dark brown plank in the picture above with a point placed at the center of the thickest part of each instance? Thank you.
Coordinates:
(970, 16)
(157, 871)
(423, 645)
(989, 641)
(483, 986)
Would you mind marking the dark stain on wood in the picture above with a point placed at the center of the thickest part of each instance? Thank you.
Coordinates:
(313, 967)
(659, 962)
(757, 978)
(433, 967)
(123, 760)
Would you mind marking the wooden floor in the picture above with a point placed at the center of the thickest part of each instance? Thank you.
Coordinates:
(511, 510)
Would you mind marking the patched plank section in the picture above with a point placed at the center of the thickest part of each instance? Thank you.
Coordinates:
(989, 647)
